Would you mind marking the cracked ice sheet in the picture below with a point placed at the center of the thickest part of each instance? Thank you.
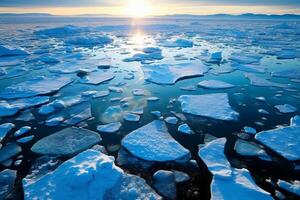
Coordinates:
(34, 87)
(168, 74)
(215, 106)
(228, 183)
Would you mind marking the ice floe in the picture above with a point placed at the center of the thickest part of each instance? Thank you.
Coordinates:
(88, 41)
(284, 141)
(7, 181)
(66, 142)
(9, 150)
(165, 183)
(171, 120)
(97, 78)
(5, 129)
(11, 51)
(109, 128)
(131, 117)
(262, 82)
(170, 73)
(286, 108)
(214, 106)
(184, 128)
(293, 187)
(295, 121)
(152, 142)
(227, 182)
(89, 175)
(34, 87)
(215, 84)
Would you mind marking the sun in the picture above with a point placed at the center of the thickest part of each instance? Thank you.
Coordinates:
(137, 8)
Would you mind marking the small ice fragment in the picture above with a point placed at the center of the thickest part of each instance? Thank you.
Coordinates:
(184, 128)
(109, 128)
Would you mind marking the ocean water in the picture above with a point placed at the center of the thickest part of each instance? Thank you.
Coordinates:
(265, 41)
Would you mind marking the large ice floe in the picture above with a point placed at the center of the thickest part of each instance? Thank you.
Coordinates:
(228, 183)
(34, 87)
(215, 106)
(167, 74)
(285, 141)
(66, 142)
(153, 142)
(89, 175)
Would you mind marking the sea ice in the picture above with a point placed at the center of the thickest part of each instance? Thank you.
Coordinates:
(214, 106)
(249, 130)
(285, 141)
(171, 120)
(215, 84)
(89, 175)
(168, 74)
(152, 142)
(66, 142)
(184, 128)
(131, 117)
(228, 183)
(183, 43)
(109, 128)
(245, 148)
(5, 128)
(259, 81)
(164, 182)
(34, 87)
(8, 151)
(89, 41)
(295, 121)
(22, 131)
(7, 181)
(286, 108)
(11, 51)
(97, 78)
(7, 109)
(24, 140)
(293, 187)
(181, 176)
(138, 92)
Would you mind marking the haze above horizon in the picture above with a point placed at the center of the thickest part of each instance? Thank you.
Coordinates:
(142, 8)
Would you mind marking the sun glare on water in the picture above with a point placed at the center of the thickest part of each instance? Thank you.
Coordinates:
(137, 8)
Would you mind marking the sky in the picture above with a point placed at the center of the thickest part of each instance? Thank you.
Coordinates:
(150, 7)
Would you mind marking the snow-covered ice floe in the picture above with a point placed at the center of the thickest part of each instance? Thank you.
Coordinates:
(97, 78)
(153, 142)
(89, 175)
(228, 183)
(66, 142)
(11, 51)
(168, 74)
(285, 141)
(34, 87)
(215, 106)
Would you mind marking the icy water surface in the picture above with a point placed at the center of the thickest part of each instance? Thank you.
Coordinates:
(84, 72)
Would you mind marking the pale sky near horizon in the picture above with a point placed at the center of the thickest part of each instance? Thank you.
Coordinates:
(150, 7)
